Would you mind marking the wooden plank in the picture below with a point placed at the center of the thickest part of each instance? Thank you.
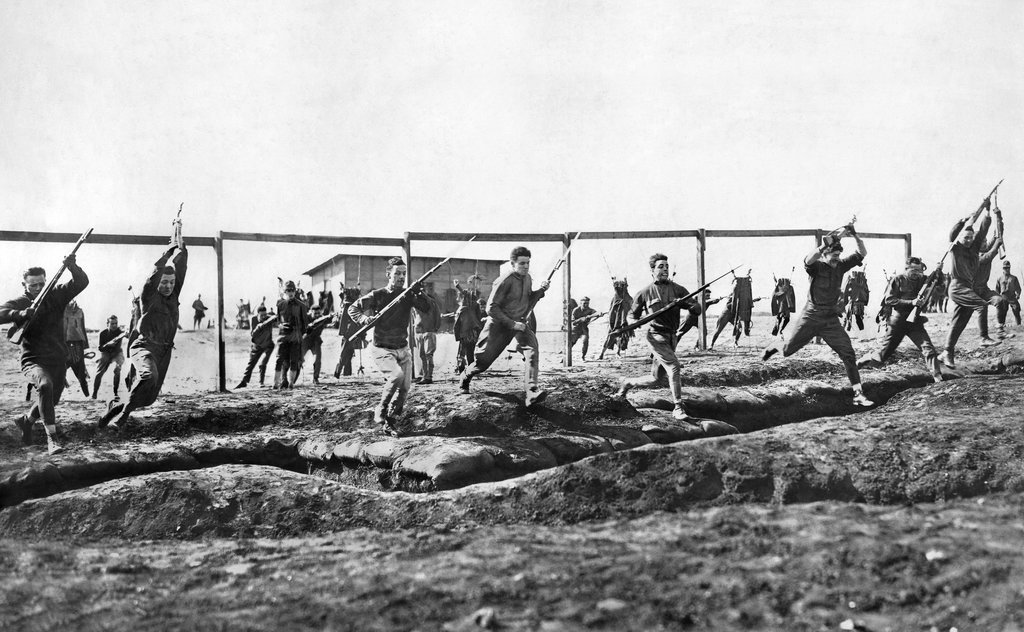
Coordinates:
(481, 237)
(902, 236)
(100, 238)
(407, 247)
(314, 239)
(637, 234)
(779, 232)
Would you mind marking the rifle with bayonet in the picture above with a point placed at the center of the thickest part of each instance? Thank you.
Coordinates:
(675, 304)
(554, 269)
(588, 319)
(398, 299)
(16, 333)
(929, 284)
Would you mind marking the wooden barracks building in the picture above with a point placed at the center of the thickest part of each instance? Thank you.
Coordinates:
(367, 272)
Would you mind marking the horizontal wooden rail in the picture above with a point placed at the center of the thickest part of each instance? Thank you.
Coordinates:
(636, 234)
(315, 239)
(486, 236)
(101, 238)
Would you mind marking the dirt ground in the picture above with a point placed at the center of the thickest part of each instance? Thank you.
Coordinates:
(264, 510)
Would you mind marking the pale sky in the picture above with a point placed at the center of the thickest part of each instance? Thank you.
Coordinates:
(375, 118)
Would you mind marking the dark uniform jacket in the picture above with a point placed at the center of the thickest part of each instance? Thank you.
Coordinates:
(826, 283)
(159, 321)
(43, 343)
(656, 296)
(262, 337)
(392, 329)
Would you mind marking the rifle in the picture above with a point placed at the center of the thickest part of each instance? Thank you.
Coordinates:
(113, 341)
(398, 299)
(676, 304)
(558, 264)
(840, 232)
(588, 319)
(999, 227)
(16, 333)
(926, 289)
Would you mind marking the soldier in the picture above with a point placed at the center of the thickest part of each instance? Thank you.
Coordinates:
(427, 323)
(200, 312)
(663, 332)
(856, 295)
(1008, 287)
(312, 339)
(509, 311)
(110, 353)
(820, 316)
(964, 291)
(151, 342)
(43, 348)
(981, 277)
(391, 339)
(903, 292)
(78, 342)
(346, 327)
(261, 335)
(580, 321)
(292, 319)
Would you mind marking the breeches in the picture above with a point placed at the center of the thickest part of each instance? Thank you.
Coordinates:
(810, 324)
(495, 338)
(396, 365)
(149, 369)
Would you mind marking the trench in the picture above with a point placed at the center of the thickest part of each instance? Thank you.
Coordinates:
(448, 457)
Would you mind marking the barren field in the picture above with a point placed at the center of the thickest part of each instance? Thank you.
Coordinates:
(784, 508)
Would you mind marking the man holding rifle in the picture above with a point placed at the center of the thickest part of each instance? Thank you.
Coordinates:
(903, 296)
(508, 311)
(261, 335)
(44, 350)
(820, 316)
(151, 342)
(110, 353)
(391, 338)
(663, 333)
(580, 321)
(964, 290)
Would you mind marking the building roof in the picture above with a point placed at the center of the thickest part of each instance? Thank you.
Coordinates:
(339, 257)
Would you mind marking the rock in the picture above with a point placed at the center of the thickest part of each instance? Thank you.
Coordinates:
(670, 433)
(715, 428)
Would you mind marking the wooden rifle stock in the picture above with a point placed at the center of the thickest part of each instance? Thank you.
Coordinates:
(16, 333)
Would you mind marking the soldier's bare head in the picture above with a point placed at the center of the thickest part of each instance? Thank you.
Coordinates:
(396, 271)
(967, 235)
(659, 266)
(34, 280)
(915, 267)
(112, 322)
(520, 259)
(167, 281)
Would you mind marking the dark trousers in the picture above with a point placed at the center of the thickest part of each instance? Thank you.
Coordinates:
(345, 360)
(583, 335)
(466, 354)
(148, 370)
(825, 324)
(1001, 310)
(255, 353)
(316, 346)
(898, 329)
(76, 362)
(106, 359)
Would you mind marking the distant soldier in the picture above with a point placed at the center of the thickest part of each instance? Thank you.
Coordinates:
(902, 296)
(346, 327)
(261, 335)
(43, 349)
(580, 325)
(292, 319)
(693, 315)
(199, 312)
(151, 342)
(820, 316)
(427, 322)
(78, 342)
(312, 339)
(856, 295)
(662, 333)
(1008, 287)
(110, 353)
(618, 313)
(243, 315)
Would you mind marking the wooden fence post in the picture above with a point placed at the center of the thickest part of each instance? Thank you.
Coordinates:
(566, 293)
(222, 377)
(702, 332)
(408, 279)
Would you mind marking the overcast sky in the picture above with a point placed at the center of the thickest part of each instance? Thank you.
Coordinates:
(375, 118)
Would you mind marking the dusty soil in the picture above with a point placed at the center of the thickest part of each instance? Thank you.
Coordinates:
(261, 510)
